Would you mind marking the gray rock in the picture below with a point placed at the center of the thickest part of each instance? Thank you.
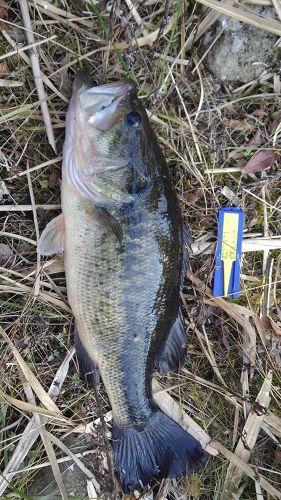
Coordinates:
(242, 52)
(75, 481)
(44, 486)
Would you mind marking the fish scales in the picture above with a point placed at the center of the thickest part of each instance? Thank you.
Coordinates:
(122, 234)
(112, 292)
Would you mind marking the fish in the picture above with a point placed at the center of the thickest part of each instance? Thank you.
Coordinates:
(123, 238)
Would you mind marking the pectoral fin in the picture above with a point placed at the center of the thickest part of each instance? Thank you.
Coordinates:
(112, 223)
(172, 356)
(53, 237)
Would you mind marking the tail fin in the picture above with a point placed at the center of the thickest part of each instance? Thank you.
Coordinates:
(162, 448)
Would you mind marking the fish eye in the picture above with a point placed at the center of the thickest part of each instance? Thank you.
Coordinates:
(134, 119)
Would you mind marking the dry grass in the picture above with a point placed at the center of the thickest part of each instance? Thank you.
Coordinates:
(228, 395)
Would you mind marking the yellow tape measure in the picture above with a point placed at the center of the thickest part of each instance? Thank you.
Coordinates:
(229, 244)
(228, 254)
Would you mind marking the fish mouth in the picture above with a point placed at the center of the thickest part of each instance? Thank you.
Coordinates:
(104, 103)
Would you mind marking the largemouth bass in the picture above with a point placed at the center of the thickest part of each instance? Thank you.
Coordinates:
(122, 234)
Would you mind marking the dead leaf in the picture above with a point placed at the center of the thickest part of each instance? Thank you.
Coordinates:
(3, 10)
(237, 124)
(54, 179)
(206, 222)
(269, 324)
(3, 15)
(265, 322)
(256, 139)
(273, 126)
(4, 68)
(193, 196)
(252, 217)
(260, 161)
(236, 154)
(260, 113)
(6, 254)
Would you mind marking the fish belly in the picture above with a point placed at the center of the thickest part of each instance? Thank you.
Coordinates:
(113, 289)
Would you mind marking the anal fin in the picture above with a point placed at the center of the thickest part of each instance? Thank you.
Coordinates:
(86, 364)
(172, 355)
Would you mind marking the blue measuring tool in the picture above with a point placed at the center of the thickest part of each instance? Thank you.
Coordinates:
(226, 280)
